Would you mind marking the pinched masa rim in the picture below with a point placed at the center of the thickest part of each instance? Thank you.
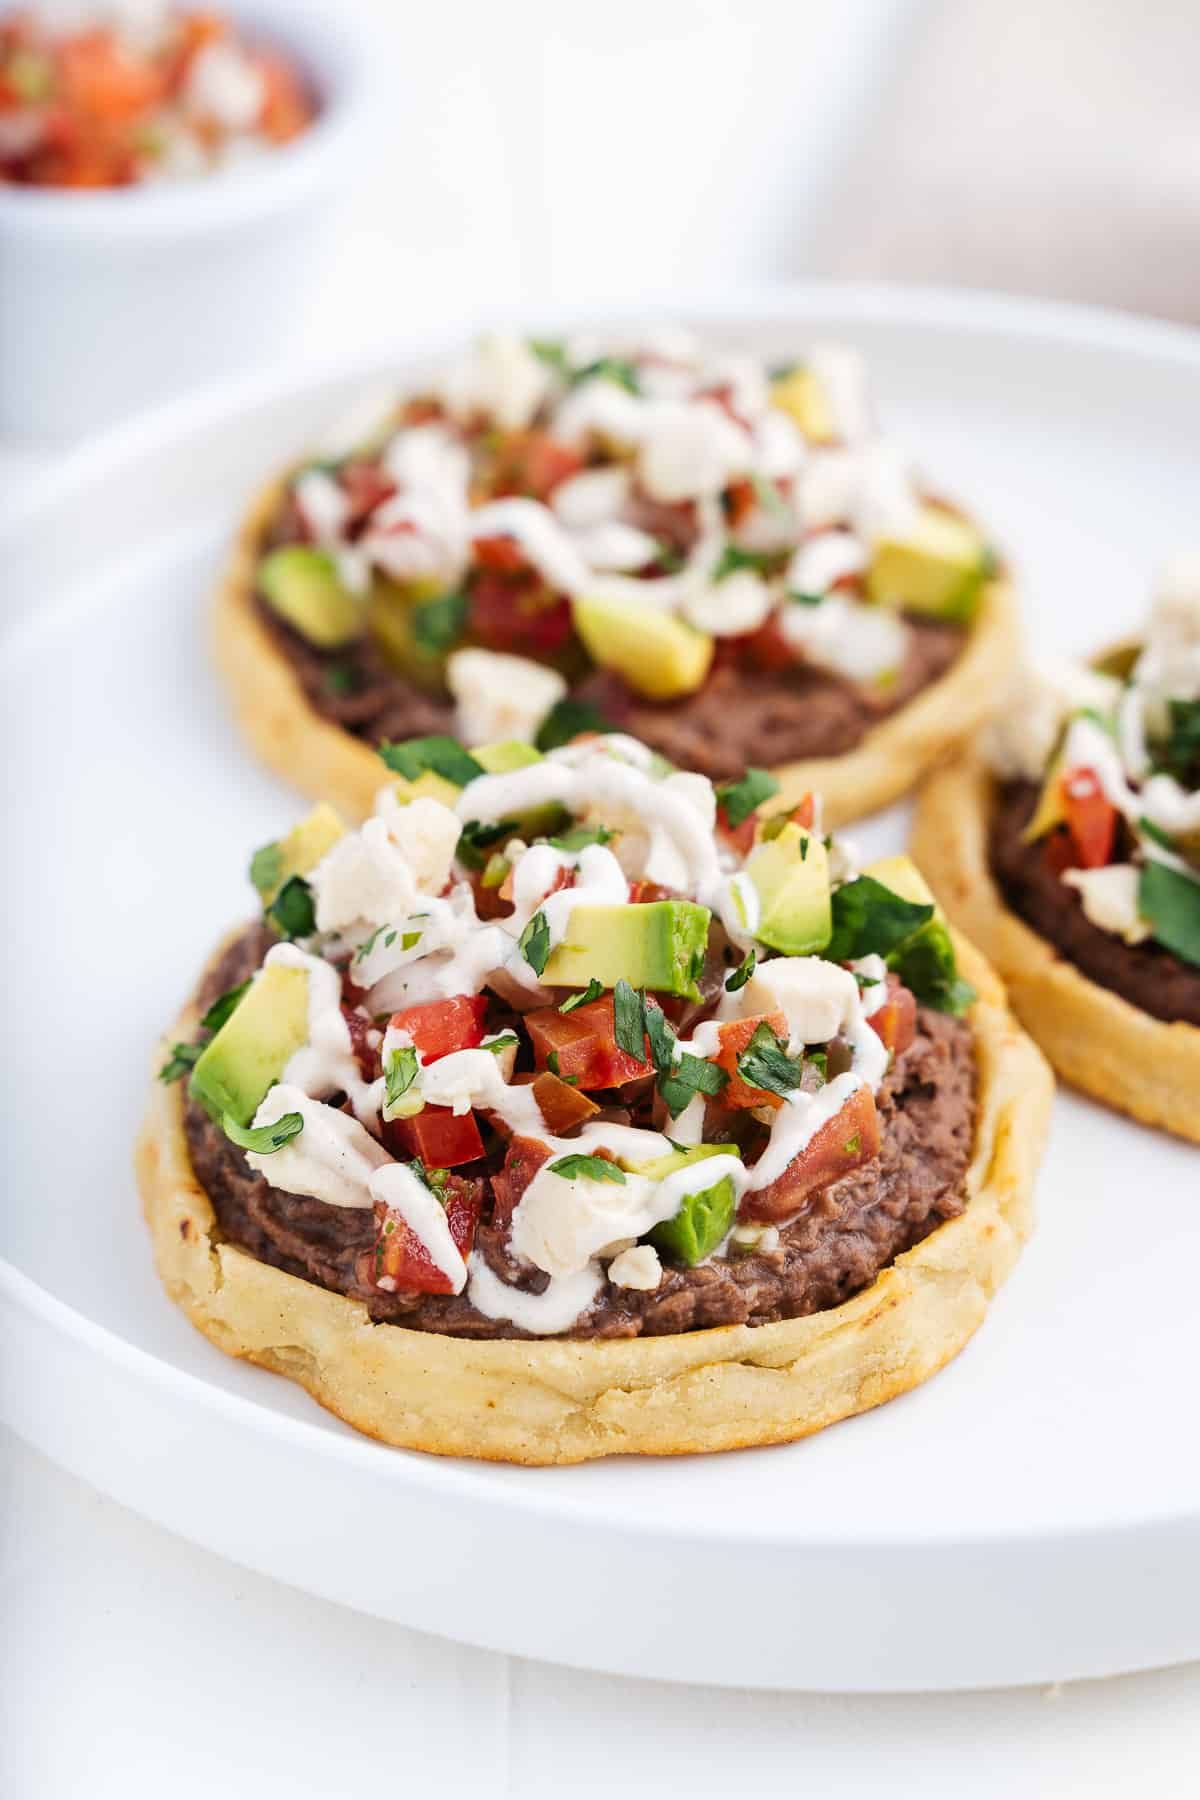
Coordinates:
(329, 763)
(1098, 1041)
(550, 1401)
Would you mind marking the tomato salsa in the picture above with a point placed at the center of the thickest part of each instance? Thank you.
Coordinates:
(136, 94)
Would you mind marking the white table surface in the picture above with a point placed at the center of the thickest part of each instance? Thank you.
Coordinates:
(133, 1665)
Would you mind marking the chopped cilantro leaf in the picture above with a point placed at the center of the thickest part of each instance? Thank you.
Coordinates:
(1170, 903)
(738, 799)
(870, 920)
(1155, 833)
(733, 559)
(765, 1063)
(341, 678)
(439, 623)
(263, 1139)
(266, 866)
(580, 837)
(593, 991)
(507, 1040)
(445, 756)
(799, 598)
(588, 1168)
(477, 837)
(629, 1019)
(1180, 755)
(742, 973)
(690, 1076)
(610, 368)
(553, 352)
(182, 1058)
(401, 1072)
(292, 911)
(534, 942)
(662, 1039)
(565, 720)
(223, 1006)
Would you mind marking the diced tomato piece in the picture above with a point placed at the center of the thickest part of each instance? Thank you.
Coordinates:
(285, 109)
(400, 1258)
(534, 463)
(585, 1045)
(768, 649)
(1058, 851)
(365, 486)
(439, 1138)
(896, 1020)
(520, 615)
(562, 1105)
(1091, 817)
(525, 1157)
(804, 812)
(367, 1055)
(741, 837)
(440, 1026)
(844, 1142)
(735, 1036)
(98, 77)
(643, 893)
(740, 501)
(503, 554)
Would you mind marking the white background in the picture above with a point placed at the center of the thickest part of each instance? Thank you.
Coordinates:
(132, 1664)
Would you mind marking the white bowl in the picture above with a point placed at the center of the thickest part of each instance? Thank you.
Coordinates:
(113, 298)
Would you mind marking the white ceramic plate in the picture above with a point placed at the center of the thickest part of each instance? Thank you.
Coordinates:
(1033, 1513)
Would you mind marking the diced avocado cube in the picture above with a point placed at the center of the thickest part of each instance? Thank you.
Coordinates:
(428, 785)
(938, 568)
(297, 853)
(791, 877)
(699, 1225)
(799, 394)
(661, 1166)
(902, 876)
(252, 1049)
(501, 759)
(391, 613)
(301, 584)
(658, 945)
(655, 652)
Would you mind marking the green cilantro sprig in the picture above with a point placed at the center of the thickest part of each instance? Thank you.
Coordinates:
(738, 799)
(588, 1168)
(263, 1139)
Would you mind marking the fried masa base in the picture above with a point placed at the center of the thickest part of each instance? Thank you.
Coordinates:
(1099, 1042)
(511, 1400)
(330, 763)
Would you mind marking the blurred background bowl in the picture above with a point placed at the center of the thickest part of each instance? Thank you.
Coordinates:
(111, 299)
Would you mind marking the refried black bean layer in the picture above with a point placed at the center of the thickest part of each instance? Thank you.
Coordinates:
(1147, 975)
(837, 1245)
(740, 716)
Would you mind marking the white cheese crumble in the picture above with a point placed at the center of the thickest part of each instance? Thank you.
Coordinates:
(637, 1268)
(1109, 898)
(499, 697)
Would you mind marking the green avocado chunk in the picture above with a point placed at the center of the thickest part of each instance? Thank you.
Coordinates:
(296, 854)
(301, 584)
(791, 877)
(252, 1049)
(658, 945)
(938, 568)
(699, 1225)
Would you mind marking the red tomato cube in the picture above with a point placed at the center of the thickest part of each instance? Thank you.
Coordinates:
(844, 1142)
(440, 1026)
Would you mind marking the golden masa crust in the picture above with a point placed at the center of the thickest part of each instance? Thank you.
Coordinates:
(331, 764)
(1096, 1040)
(558, 1402)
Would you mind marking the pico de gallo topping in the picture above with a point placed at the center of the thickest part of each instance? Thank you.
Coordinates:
(655, 509)
(1115, 747)
(568, 994)
(108, 95)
